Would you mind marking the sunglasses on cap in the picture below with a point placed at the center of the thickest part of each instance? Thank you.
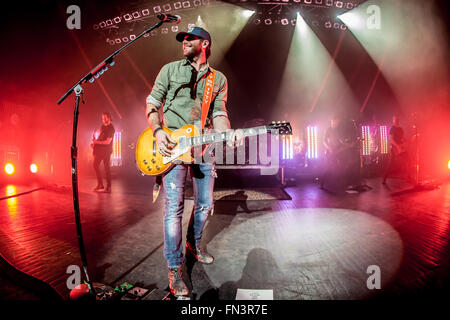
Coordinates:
(191, 37)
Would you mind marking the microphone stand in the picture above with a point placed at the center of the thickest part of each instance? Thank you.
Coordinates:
(78, 89)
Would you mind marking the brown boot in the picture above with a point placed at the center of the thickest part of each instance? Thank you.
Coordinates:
(200, 253)
(176, 283)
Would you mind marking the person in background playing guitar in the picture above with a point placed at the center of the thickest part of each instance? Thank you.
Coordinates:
(179, 89)
(399, 154)
(338, 150)
(102, 152)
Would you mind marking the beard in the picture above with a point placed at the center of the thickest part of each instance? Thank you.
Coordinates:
(192, 51)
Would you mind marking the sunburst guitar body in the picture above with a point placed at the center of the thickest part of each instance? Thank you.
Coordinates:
(151, 162)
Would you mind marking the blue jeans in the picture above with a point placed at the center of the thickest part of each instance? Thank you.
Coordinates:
(173, 183)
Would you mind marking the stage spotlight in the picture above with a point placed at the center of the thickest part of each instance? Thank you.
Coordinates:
(339, 4)
(302, 26)
(448, 165)
(247, 13)
(328, 24)
(9, 168)
(352, 20)
(33, 168)
(116, 157)
(268, 22)
(312, 142)
(365, 133)
(257, 21)
(284, 22)
(288, 147)
(384, 139)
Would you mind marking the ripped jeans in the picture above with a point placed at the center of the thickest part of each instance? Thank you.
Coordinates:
(173, 183)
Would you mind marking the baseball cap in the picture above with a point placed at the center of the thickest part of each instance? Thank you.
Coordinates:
(195, 31)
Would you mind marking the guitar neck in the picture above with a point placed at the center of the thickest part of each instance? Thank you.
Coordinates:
(224, 136)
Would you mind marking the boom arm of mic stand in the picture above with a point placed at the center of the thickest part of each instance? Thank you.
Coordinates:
(105, 62)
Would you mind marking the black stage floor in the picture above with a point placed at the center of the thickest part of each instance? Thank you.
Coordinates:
(318, 245)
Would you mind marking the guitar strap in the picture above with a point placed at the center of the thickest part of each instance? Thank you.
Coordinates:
(207, 95)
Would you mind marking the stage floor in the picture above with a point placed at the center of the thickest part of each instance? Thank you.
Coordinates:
(318, 245)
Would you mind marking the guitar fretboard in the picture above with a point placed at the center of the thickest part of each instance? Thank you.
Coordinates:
(224, 136)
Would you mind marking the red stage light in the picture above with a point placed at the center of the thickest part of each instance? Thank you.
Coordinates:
(33, 168)
(9, 168)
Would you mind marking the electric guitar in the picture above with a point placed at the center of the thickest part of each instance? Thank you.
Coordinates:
(151, 162)
(402, 148)
(344, 145)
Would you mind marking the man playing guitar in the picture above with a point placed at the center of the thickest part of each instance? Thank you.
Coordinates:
(180, 89)
(338, 150)
(399, 154)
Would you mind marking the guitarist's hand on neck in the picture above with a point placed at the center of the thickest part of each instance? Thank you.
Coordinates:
(222, 124)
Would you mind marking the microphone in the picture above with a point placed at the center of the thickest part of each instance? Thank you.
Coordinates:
(169, 18)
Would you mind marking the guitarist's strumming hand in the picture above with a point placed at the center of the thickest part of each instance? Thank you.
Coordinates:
(165, 143)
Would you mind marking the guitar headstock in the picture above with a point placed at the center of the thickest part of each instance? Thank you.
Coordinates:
(283, 127)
